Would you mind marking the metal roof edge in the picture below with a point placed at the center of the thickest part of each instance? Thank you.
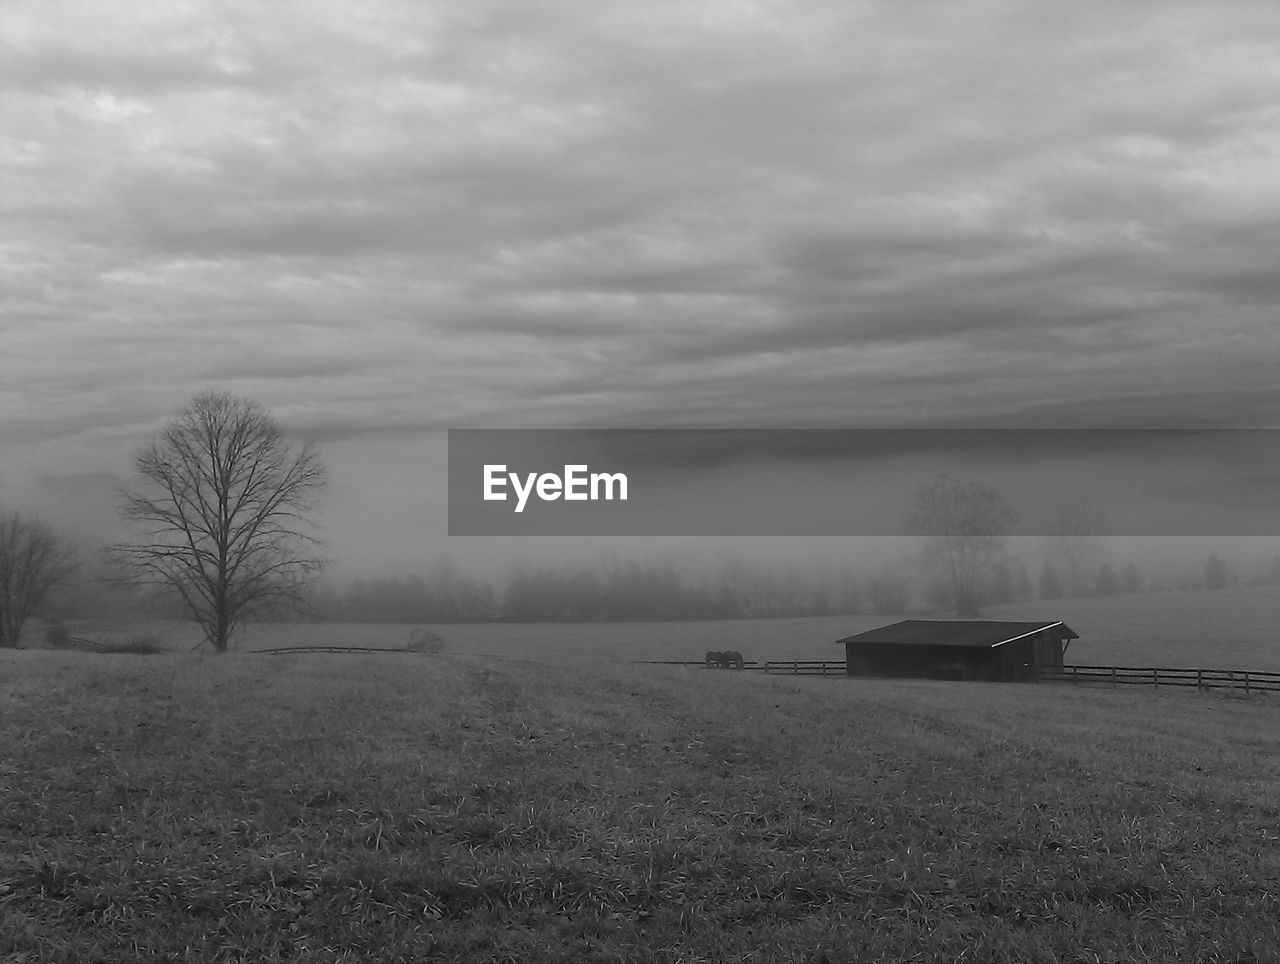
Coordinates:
(1032, 632)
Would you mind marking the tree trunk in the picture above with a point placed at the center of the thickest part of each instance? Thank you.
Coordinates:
(8, 634)
(221, 631)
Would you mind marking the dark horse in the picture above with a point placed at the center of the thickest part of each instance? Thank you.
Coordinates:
(728, 659)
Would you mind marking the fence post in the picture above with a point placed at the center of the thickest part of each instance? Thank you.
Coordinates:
(1115, 678)
(1075, 677)
(1246, 682)
(795, 669)
(1155, 677)
(1200, 680)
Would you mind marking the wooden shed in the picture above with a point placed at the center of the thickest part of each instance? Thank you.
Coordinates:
(975, 649)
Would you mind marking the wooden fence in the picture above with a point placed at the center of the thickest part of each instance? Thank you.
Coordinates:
(284, 650)
(803, 667)
(806, 667)
(80, 642)
(1246, 681)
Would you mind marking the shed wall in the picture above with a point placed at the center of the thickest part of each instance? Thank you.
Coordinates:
(1012, 661)
(926, 662)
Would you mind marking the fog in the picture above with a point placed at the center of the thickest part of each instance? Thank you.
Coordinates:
(386, 510)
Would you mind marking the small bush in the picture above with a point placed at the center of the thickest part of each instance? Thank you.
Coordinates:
(57, 634)
(423, 640)
(139, 645)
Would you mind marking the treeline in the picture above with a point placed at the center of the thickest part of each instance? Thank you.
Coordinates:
(615, 591)
(651, 591)
(1109, 580)
(619, 592)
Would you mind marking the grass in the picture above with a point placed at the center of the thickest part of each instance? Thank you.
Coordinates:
(457, 808)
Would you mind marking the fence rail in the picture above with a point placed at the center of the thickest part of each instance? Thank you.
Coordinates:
(790, 667)
(1245, 680)
(806, 667)
(81, 642)
(280, 650)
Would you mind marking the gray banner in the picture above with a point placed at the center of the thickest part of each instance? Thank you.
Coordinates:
(766, 482)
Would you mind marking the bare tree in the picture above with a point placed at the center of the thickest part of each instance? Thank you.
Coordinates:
(889, 588)
(1074, 541)
(227, 522)
(32, 564)
(964, 525)
(1215, 572)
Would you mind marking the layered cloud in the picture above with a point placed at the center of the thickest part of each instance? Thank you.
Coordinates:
(402, 216)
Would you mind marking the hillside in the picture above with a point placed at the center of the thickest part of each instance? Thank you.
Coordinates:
(397, 807)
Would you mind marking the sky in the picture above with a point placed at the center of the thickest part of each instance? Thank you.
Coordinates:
(387, 219)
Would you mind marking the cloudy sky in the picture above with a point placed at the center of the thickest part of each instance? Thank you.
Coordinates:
(384, 219)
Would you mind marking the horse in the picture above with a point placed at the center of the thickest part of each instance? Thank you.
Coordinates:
(728, 659)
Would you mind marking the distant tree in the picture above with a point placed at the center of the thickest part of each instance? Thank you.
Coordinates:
(964, 525)
(226, 521)
(1215, 572)
(1050, 582)
(621, 592)
(749, 587)
(458, 597)
(888, 589)
(1107, 583)
(724, 604)
(1131, 579)
(1272, 575)
(537, 596)
(445, 595)
(936, 592)
(1022, 588)
(1000, 587)
(821, 605)
(32, 565)
(324, 603)
(853, 595)
(1074, 541)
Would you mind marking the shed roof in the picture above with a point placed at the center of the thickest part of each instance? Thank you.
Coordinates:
(973, 633)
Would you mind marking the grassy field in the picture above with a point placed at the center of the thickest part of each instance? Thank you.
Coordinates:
(463, 808)
(1229, 629)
